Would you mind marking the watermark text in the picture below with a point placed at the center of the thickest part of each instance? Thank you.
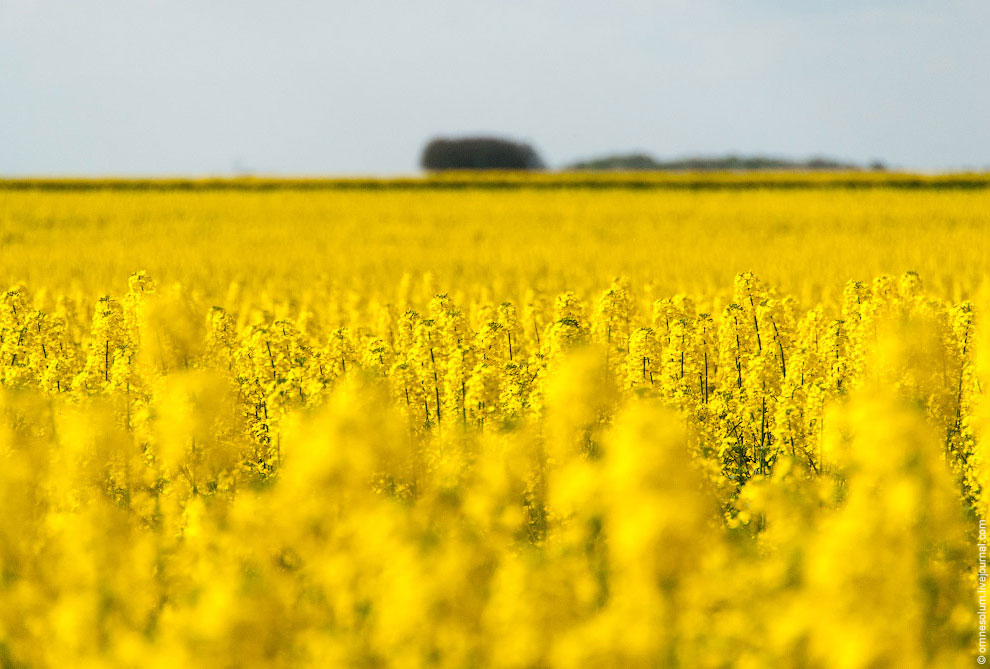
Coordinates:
(981, 593)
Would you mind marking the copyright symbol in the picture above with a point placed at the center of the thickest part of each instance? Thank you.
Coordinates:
(981, 660)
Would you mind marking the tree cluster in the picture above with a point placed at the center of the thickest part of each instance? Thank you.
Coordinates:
(479, 153)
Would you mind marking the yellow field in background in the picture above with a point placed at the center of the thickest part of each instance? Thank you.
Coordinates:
(493, 427)
(806, 242)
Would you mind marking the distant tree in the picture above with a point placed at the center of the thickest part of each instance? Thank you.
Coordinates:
(479, 153)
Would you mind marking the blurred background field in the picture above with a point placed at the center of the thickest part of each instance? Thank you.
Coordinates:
(805, 240)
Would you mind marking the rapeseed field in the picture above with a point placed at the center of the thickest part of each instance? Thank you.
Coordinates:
(555, 426)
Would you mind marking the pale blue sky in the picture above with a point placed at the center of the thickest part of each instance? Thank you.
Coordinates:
(297, 87)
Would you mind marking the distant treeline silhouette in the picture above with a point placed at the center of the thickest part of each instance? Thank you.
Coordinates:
(479, 153)
(642, 161)
(496, 153)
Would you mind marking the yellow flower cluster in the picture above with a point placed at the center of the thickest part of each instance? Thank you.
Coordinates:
(565, 481)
